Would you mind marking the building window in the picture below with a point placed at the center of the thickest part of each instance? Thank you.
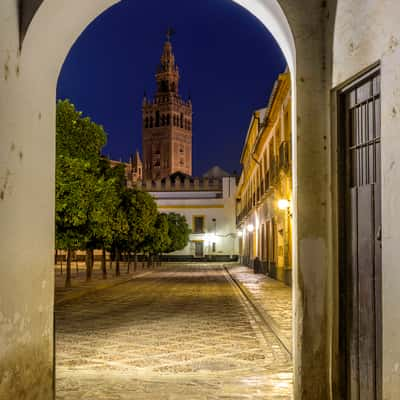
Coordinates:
(198, 224)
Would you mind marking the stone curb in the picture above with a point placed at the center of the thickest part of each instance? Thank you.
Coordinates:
(264, 314)
(96, 288)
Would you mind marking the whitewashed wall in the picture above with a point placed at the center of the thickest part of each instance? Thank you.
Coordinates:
(206, 204)
(28, 79)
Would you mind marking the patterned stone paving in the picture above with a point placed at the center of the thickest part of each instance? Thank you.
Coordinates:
(273, 297)
(181, 332)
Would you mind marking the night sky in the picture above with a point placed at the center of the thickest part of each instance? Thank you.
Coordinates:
(228, 63)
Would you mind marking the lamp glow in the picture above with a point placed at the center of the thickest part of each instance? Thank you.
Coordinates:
(240, 233)
(283, 204)
(250, 227)
(213, 237)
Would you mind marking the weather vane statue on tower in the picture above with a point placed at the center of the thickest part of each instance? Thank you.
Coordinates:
(170, 33)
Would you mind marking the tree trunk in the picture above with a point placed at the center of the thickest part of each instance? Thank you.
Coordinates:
(68, 277)
(135, 262)
(129, 263)
(61, 258)
(149, 261)
(91, 262)
(103, 263)
(55, 257)
(117, 270)
(76, 264)
(111, 263)
(88, 261)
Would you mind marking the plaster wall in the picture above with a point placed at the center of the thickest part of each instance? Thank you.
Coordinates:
(27, 147)
(314, 295)
(367, 32)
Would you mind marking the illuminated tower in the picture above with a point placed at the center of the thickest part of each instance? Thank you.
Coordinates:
(167, 123)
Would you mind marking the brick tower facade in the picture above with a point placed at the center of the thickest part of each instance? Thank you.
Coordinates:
(167, 124)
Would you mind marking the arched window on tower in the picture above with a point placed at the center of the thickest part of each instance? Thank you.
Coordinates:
(146, 122)
(151, 122)
(163, 120)
(181, 122)
(168, 119)
(173, 87)
(157, 119)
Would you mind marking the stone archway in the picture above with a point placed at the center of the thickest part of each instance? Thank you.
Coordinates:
(27, 115)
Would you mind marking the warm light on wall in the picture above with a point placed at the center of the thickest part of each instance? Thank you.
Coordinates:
(250, 227)
(212, 237)
(257, 221)
(283, 204)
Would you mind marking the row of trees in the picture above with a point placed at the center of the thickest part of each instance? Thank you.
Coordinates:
(94, 207)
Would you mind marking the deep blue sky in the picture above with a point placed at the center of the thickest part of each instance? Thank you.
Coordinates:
(227, 59)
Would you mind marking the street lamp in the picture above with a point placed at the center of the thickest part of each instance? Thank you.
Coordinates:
(250, 228)
(283, 204)
(215, 225)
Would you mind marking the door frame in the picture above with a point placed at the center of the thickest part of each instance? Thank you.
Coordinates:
(342, 234)
(196, 242)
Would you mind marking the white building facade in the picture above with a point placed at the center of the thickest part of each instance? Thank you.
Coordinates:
(208, 205)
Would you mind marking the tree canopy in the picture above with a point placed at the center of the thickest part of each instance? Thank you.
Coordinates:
(178, 231)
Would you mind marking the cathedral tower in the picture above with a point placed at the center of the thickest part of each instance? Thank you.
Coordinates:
(167, 123)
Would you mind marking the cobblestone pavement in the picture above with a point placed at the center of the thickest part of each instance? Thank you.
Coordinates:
(80, 286)
(270, 295)
(181, 332)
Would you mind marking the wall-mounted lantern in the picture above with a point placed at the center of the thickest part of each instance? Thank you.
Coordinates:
(283, 204)
(250, 228)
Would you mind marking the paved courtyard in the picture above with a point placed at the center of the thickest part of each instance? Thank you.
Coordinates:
(180, 332)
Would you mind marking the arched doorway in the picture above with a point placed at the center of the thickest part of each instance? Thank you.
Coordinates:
(29, 117)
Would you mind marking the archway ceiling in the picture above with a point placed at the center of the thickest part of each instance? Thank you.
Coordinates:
(27, 10)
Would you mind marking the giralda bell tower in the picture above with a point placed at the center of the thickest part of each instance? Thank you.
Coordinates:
(167, 123)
